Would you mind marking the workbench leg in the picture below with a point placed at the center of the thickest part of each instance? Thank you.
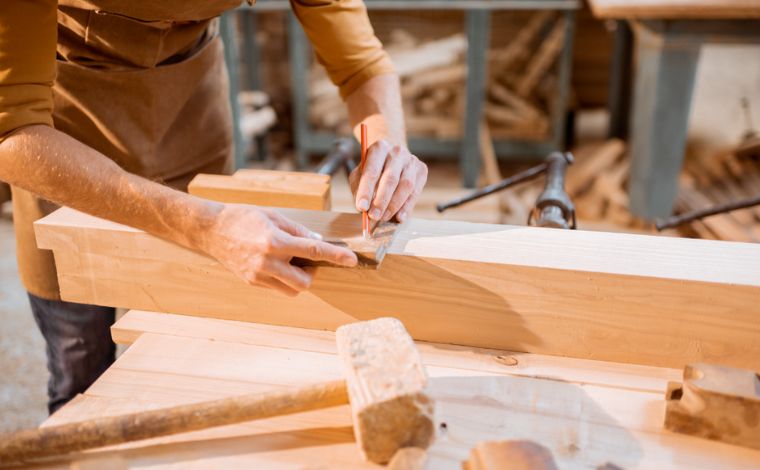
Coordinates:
(478, 26)
(231, 58)
(298, 49)
(665, 72)
(252, 56)
(559, 110)
(619, 95)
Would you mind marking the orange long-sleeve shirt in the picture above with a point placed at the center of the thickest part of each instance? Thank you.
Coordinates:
(32, 31)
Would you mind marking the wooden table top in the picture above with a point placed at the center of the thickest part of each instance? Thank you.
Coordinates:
(588, 413)
(676, 9)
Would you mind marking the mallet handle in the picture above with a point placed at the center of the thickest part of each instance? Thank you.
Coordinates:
(59, 440)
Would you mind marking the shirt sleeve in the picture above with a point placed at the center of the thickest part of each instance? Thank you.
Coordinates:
(344, 41)
(28, 30)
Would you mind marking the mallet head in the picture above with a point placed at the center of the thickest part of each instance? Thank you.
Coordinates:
(386, 386)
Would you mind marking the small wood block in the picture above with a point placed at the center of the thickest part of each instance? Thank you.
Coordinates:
(716, 402)
(265, 188)
(386, 383)
(515, 455)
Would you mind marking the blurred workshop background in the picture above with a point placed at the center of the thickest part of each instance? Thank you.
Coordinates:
(662, 116)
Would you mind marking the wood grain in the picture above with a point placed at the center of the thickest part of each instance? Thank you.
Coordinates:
(676, 9)
(584, 426)
(618, 297)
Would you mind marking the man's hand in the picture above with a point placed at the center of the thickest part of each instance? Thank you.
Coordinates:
(257, 245)
(392, 181)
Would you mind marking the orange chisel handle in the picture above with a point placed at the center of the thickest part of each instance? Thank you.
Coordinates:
(365, 216)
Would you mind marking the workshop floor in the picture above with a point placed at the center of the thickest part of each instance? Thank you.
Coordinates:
(22, 350)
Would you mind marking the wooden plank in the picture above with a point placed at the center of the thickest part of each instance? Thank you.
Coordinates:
(134, 323)
(676, 9)
(583, 426)
(266, 188)
(625, 298)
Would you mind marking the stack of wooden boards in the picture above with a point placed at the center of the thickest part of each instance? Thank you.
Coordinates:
(589, 414)
(521, 87)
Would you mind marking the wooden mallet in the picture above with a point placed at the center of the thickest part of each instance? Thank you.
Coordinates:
(385, 385)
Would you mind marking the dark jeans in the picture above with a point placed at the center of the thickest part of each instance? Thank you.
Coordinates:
(79, 346)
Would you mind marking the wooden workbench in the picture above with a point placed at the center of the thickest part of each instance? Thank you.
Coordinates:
(668, 37)
(589, 413)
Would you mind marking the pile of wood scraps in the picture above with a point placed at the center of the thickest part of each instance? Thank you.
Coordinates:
(715, 179)
(256, 114)
(597, 183)
(520, 91)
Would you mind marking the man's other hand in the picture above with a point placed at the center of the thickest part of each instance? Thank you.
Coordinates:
(391, 184)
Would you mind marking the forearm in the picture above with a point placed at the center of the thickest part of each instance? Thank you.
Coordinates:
(67, 172)
(378, 102)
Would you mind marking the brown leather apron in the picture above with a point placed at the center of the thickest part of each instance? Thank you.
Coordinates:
(144, 83)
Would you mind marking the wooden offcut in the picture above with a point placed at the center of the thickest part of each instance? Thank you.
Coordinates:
(386, 382)
(265, 188)
(716, 402)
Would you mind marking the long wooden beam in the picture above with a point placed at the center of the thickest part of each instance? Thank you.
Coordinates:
(617, 297)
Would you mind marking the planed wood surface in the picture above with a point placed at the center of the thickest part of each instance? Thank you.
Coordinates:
(714, 402)
(617, 297)
(386, 383)
(676, 9)
(265, 188)
(134, 323)
(584, 426)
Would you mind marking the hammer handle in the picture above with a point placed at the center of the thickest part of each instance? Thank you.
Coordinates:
(59, 440)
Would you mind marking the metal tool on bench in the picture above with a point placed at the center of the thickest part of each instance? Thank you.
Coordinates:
(385, 384)
(341, 156)
(676, 220)
(553, 207)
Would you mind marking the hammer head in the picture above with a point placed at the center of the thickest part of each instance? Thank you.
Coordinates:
(386, 387)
